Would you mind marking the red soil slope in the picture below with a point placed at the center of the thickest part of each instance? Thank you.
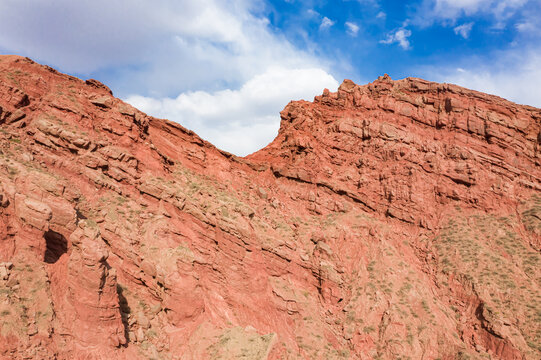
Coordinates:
(400, 219)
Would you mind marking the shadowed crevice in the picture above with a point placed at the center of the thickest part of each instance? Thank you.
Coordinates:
(56, 245)
(124, 312)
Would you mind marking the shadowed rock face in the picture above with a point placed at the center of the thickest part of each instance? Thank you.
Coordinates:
(400, 219)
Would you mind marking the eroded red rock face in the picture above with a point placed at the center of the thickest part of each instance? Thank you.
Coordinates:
(401, 219)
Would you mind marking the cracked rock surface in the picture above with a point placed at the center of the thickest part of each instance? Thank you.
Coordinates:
(395, 220)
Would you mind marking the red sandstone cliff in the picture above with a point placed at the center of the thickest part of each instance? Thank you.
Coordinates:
(400, 219)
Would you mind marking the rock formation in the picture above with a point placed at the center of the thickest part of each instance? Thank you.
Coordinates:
(395, 220)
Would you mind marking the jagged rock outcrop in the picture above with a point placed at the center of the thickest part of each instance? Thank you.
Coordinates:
(400, 219)
(439, 143)
(87, 298)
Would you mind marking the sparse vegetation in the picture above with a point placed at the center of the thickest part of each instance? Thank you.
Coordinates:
(486, 251)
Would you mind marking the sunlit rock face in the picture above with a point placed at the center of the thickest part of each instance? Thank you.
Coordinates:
(399, 219)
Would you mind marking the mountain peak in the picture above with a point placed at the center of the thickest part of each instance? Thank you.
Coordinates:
(397, 217)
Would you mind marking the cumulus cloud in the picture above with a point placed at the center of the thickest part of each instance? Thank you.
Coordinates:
(351, 28)
(85, 36)
(464, 30)
(205, 50)
(400, 37)
(516, 76)
(326, 23)
(244, 120)
(161, 47)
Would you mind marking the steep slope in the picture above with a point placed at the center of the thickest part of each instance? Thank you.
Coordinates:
(401, 219)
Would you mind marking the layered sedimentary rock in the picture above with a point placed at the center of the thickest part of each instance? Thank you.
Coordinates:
(400, 219)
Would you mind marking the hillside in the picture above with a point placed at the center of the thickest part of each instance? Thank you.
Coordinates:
(395, 220)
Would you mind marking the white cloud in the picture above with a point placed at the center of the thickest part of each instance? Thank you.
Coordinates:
(161, 47)
(244, 120)
(381, 15)
(326, 23)
(529, 24)
(400, 37)
(516, 76)
(452, 10)
(208, 51)
(526, 27)
(464, 30)
(313, 13)
(82, 37)
(352, 28)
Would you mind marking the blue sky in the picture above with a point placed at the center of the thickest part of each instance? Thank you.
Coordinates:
(225, 68)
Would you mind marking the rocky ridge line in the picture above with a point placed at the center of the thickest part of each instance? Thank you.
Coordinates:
(400, 217)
